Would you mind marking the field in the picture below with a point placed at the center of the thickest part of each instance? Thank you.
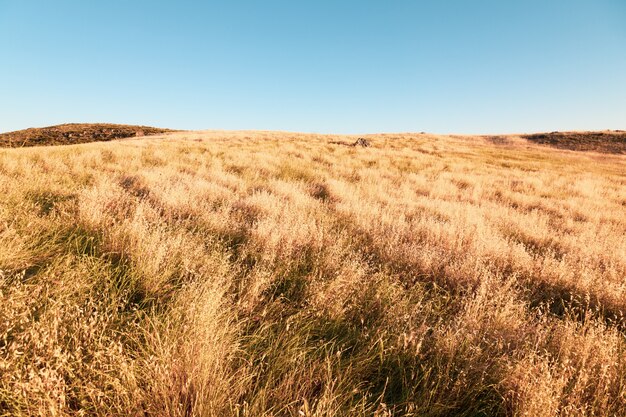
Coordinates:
(278, 274)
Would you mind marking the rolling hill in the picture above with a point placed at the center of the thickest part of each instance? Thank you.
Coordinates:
(74, 133)
(284, 274)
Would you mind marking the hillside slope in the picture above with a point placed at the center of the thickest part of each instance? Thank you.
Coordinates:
(74, 133)
(605, 142)
(278, 274)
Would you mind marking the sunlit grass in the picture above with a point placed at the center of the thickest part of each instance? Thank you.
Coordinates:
(275, 274)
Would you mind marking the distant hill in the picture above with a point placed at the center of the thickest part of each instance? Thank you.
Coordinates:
(608, 141)
(605, 142)
(73, 133)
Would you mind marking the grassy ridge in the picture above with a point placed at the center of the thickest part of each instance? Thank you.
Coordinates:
(74, 133)
(605, 142)
(271, 274)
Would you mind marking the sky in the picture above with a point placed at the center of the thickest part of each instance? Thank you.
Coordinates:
(328, 66)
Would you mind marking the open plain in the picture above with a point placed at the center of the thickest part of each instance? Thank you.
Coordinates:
(281, 274)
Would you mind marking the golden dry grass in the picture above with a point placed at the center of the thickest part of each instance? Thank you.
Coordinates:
(275, 274)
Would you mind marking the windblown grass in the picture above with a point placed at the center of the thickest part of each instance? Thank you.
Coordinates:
(267, 274)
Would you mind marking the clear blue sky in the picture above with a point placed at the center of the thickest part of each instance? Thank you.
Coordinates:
(443, 66)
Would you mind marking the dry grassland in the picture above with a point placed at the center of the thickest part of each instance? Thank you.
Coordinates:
(274, 274)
